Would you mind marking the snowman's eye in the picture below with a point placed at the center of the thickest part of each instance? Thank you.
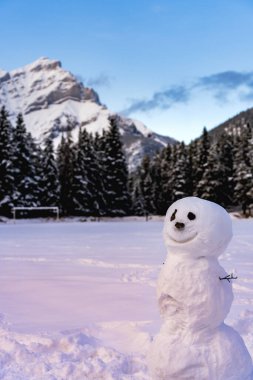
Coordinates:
(191, 216)
(173, 216)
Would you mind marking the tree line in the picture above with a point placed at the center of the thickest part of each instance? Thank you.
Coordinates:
(90, 177)
(220, 171)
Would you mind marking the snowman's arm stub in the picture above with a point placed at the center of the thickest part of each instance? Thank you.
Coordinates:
(228, 277)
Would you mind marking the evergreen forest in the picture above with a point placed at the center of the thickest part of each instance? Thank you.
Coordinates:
(90, 177)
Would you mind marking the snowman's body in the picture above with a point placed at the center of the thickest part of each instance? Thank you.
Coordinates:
(194, 343)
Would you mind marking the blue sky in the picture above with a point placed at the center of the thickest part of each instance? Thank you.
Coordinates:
(175, 65)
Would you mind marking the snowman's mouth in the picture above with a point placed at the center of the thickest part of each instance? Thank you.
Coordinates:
(184, 240)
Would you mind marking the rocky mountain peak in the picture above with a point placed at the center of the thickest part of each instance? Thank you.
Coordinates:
(43, 63)
(53, 101)
(40, 84)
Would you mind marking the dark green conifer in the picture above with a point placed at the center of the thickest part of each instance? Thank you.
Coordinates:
(116, 182)
(7, 190)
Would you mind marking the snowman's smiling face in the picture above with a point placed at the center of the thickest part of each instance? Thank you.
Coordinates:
(197, 227)
(182, 225)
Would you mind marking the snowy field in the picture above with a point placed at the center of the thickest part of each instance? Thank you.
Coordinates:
(77, 300)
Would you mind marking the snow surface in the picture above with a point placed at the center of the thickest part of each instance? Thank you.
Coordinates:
(78, 300)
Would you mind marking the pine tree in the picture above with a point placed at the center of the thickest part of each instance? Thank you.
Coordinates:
(166, 178)
(37, 165)
(210, 186)
(114, 163)
(181, 173)
(6, 164)
(95, 183)
(225, 157)
(50, 177)
(25, 170)
(99, 175)
(200, 162)
(170, 175)
(65, 168)
(79, 183)
(138, 203)
(156, 187)
(84, 168)
(192, 154)
(146, 185)
(243, 176)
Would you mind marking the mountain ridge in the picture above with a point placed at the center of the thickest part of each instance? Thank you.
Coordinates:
(52, 100)
(233, 124)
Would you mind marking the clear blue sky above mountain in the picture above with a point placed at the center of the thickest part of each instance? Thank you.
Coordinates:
(176, 65)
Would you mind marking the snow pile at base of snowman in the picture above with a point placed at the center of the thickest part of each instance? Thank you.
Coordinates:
(195, 296)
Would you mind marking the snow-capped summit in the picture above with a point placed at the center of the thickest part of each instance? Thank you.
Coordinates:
(53, 100)
(39, 85)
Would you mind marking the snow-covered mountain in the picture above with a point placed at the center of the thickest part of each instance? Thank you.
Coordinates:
(52, 100)
(233, 125)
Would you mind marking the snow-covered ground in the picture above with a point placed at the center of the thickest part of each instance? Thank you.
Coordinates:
(78, 299)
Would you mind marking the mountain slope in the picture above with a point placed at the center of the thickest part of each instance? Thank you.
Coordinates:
(233, 124)
(52, 101)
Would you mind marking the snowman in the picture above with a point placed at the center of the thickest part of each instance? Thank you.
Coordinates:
(195, 295)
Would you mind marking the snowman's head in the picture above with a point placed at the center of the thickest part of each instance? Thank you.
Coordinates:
(197, 227)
